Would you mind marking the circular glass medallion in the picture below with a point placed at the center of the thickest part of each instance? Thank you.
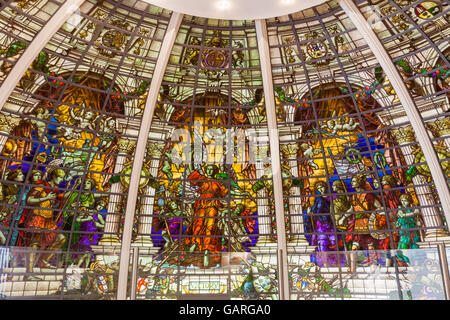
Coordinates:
(427, 10)
(215, 59)
(113, 39)
(316, 50)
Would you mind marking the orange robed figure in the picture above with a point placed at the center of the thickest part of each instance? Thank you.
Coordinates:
(206, 211)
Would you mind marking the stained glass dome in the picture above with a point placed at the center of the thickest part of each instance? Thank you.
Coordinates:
(148, 154)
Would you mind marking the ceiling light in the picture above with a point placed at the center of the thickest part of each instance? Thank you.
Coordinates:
(237, 9)
(224, 4)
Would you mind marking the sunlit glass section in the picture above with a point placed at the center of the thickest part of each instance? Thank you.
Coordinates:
(68, 139)
(353, 177)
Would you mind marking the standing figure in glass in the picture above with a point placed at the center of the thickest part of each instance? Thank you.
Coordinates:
(408, 221)
(43, 234)
(324, 236)
(363, 203)
(203, 234)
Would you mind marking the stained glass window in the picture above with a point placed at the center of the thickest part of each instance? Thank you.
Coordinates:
(359, 206)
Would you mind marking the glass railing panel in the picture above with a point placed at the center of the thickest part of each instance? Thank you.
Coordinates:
(98, 281)
(367, 275)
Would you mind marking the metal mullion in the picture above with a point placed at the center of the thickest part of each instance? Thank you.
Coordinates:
(95, 133)
(168, 41)
(418, 27)
(22, 65)
(266, 72)
(40, 142)
(30, 53)
(406, 100)
(408, 104)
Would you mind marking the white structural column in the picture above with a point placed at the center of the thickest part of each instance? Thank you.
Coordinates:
(441, 129)
(290, 153)
(153, 91)
(38, 43)
(259, 148)
(406, 100)
(425, 193)
(3, 139)
(112, 221)
(145, 220)
(269, 98)
(264, 218)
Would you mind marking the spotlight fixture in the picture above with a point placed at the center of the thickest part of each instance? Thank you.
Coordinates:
(223, 4)
(287, 1)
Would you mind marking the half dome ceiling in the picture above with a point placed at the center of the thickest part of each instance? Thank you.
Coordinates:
(347, 150)
(236, 9)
